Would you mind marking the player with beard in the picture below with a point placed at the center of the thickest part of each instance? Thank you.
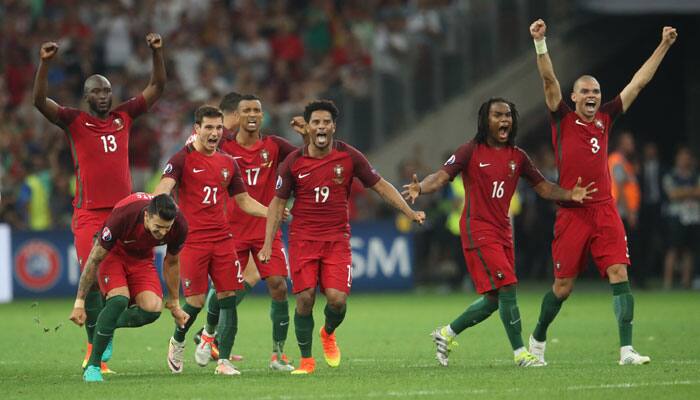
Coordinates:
(580, 141)
(490, 166)
(99, 140)
(320, 174)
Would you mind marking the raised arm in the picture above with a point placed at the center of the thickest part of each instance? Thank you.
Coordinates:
(389, 193)
(648, 69)
(46, 106)
(275, 211)
(552, 90)
(430, 184)
(171, 276)
(87, 281)
(550, 191)
(156, 85)
(251, 206)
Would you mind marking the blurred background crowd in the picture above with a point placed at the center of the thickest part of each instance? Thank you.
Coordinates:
(288, 52)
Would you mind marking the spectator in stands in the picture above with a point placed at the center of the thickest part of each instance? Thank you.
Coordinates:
(651, 237)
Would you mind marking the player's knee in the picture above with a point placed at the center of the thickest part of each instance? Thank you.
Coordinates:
(197, 300)
(277, 286)
(617, 273)
(563, 291)
(337, 304)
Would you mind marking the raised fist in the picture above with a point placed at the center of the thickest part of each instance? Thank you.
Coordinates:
(538, 29)
(48, 50)
(154, 41)
(669, 35)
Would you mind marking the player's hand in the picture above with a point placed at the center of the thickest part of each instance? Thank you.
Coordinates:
(669, 35)
(419, 217)
(580, 193)
(412, 190)
(180, 316)
(285, 214)
(265, 254)
(48, 50)
(299, 125)
(78, 316)
(154, 41)
(538, 29)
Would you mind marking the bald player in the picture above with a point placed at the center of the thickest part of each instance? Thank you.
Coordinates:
(99, 140)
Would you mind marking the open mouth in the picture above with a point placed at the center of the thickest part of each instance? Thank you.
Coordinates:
(321, 139)
(503, 132)
(252, 124)
(590, 105)
(213, 141)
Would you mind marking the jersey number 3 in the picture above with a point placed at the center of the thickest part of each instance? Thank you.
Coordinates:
(595, 147)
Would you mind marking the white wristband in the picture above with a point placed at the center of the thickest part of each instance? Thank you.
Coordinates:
(79, 303)
(541, 46)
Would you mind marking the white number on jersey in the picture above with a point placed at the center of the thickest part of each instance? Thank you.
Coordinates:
(109, 142)
(210, 195)
(252, 176)
(498, 189)
(595, 147)
(239, 273)
(322, 194)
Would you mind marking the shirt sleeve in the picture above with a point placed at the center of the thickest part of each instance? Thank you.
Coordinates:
(532, 175)
(362, 169)
(236, 185)
(173, 169)
(285, 180)
(284, 145)
(459, 161)
(178, 241)
(113, 228)
(67, 115)
(561, 111)
(613, 108)
(135, 106)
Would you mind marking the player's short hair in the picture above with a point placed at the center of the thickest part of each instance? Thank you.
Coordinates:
(248, 97)
(230, 102)
(324, 105)
(483, 123)
(207, 111)
(163, 206)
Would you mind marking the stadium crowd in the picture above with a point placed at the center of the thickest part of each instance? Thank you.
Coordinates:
(287, 52)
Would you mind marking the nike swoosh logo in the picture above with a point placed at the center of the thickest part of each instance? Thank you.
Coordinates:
(302, 176)
(515, 322)
(284, 323)
(482, 165)
(90, 125)
(196, 171)
(580, 123)
(173, 366)
(129, 241)
(237, 157)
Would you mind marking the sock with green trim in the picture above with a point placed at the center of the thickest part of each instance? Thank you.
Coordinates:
(240, 294)
(106, 323)
(135, 316)
(228, 326)
(623, 305)
(279, 314)
(93, 305)
(478, 311)
(304, 328)
(212, 311)
(551, 305)
(333, 318)
(192, 311)
(510, 316)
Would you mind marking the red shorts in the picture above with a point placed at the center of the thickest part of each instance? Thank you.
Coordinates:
(85, 224)
(328, 263)
(137, 274)
(491, 266)
(578, 231)
(217, 260)
(278, 261)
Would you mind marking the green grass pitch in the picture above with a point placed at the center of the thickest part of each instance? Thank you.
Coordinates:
(386, 350)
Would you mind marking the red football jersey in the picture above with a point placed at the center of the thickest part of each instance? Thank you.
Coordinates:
(204, 186)
(581, 149)
(124, 232)
(100, 149)
(322, 188)
(490, 176)
(258, 165)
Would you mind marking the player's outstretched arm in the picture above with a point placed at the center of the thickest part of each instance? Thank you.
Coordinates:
(430, 184)
(155, 87)
(551, 191)
(648, 69)
(250, 206)
(46, 106)
(171, 276)
(87, 281)
(392, 196)
(165, 185)
(274, 218)
(552, 90)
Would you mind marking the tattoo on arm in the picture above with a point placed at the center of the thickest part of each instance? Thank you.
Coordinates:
(89, 275)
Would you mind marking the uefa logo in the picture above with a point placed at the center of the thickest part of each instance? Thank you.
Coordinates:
(37, 265)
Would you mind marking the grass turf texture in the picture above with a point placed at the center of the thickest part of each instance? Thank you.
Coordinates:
(386, 350)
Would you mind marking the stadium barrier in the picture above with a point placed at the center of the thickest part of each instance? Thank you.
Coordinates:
(44, 264)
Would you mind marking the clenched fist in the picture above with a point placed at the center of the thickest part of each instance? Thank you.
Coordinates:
(538, 29)
(48, 50)
(154, 41)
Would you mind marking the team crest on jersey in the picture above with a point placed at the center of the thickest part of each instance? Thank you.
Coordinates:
(511, 168)
(265, 156)
(557, 265)
(338, 173)
(187, 283)
(106, 279)
(106, 234)
(599, 124)
(119, 123)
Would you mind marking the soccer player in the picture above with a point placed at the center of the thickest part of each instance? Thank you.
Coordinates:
(99, 142)
(490, 166)
(205, 179)
(320, 175)
(122, 259)
(580, 140)
(258, 157)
